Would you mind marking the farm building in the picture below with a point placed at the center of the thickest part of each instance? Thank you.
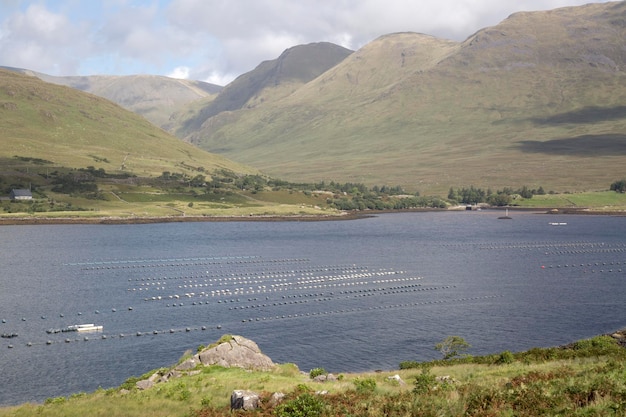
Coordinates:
(21, 194)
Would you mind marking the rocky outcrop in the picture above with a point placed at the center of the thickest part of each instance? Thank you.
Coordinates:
(236, 351)
(229, 351)
(244, 400)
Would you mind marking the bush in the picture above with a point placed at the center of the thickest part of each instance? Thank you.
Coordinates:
(599, 345)
(505, 358)
(424, 382)
(452, 346)
(365, 384)
(304, 405)
(317, 372)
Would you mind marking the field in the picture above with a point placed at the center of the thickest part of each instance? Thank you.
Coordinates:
(609, 201)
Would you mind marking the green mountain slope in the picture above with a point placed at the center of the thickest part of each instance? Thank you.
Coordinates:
(154, 97)
(536, 100)
(269, 81)
(72, 129)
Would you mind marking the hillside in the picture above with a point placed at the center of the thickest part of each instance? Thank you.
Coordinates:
(72, 129)
(581, 379)
(535, 100)
(84, 156)
(154, 97)
(269, 81)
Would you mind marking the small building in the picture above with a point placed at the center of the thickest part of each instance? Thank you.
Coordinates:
(21, 194)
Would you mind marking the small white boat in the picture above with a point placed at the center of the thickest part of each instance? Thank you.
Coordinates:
(85, 328)
(558, 224)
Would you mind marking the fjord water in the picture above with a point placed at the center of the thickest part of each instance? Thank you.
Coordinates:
(343, 295)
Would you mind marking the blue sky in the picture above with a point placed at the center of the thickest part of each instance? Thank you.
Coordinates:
(217, 40)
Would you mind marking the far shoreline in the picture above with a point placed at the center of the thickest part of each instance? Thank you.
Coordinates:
(353, 215)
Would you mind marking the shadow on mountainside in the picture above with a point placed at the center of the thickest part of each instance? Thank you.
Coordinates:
(591, 114)
(585, 145)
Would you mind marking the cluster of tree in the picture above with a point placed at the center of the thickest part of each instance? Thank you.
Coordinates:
(619, 186)
(504, 197)
(376, 202)
(80, 182)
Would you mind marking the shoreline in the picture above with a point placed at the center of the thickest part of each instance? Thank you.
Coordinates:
(31, 220)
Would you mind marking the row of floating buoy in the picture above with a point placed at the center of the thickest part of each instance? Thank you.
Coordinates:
(62, 315)
(265, 273)
(580, 252)
(550, 250)
(280, 287)
(259, 275)
(132, 261)
(590, 265)
(120, 336)
(158, 264)
(231, 279)
(320, 297)
(362, 309)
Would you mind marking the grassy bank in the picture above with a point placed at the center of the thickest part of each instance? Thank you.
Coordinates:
(587, 378)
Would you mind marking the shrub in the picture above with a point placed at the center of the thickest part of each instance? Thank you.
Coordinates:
(452, 346)
(304, 405)
(55, 400)
(317, 372)
(424, 382)
(505, 357)
(599, 345)
(365, 384)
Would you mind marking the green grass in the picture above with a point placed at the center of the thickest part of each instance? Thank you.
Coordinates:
(601, 200)
(72, 129)
(586, 378)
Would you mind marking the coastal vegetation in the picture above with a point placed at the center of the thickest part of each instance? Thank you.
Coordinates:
(585, 378)
(90, 192)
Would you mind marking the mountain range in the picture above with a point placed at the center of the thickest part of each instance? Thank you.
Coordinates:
(539, 99)
(61, 127)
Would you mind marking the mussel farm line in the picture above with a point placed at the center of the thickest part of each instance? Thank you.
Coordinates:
(252, 289)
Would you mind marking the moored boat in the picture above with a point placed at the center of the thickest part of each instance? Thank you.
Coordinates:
(86, 328)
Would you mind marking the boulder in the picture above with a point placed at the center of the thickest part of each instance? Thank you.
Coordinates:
(188, 364)
(276, 399)
(244, 400)
(396, 378)
(325, 378)
(237, 351)
(144, 384)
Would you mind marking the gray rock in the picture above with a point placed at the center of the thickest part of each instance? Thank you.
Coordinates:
(238, 352)
(325, 378)
(144, 384)
(397, 378)
(190, 363)
(244, 400)
(276, 399)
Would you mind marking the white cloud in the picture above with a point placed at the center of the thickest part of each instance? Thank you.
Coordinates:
(218, 40)
(180, 73)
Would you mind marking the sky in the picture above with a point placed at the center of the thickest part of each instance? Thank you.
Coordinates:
(218, 40)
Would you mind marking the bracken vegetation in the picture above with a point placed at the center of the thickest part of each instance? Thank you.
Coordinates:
(585, 378)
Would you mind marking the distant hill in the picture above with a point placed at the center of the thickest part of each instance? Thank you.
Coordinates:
(152, 96)
(269, 81)
(73, 129)
(538, 99)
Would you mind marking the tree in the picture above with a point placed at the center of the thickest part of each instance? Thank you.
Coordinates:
(619, 186)
(500, 199)
(452, 346)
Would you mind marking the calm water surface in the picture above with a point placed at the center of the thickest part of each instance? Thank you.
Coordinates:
(343, 295)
